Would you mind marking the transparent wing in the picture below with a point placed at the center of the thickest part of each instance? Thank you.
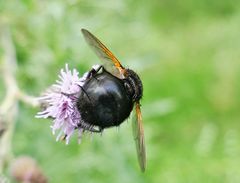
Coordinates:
(138, 134)
(110, 62)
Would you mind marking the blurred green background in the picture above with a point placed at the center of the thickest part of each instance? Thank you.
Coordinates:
(187, 54)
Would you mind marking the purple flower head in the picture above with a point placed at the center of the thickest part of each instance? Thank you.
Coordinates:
(60, 103)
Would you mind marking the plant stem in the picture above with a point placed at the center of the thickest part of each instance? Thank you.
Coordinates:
(9, 106)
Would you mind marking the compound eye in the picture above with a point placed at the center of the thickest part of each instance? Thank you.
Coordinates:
(128, 88)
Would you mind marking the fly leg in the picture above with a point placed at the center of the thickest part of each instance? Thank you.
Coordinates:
(90, 128)
(93, 72)
(90, 74)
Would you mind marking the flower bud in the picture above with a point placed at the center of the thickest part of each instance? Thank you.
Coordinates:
(24, 169)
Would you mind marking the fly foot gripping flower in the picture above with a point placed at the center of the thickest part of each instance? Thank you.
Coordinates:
(60, 103)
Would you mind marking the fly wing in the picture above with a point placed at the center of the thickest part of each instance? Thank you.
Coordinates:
(110, 62)
(138, 134)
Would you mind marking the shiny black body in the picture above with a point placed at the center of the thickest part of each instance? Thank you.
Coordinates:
(106, 101)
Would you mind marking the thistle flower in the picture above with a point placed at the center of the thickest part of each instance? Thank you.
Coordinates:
(60, 104)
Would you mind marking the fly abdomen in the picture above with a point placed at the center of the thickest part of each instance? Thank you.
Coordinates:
(108, 102)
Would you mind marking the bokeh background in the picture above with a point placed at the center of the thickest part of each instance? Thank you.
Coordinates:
(187, 54)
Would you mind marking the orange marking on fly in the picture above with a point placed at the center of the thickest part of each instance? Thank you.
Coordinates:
(116, 62)
(113, 58)
(138, 111)
(139, 116)
(102, 51)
